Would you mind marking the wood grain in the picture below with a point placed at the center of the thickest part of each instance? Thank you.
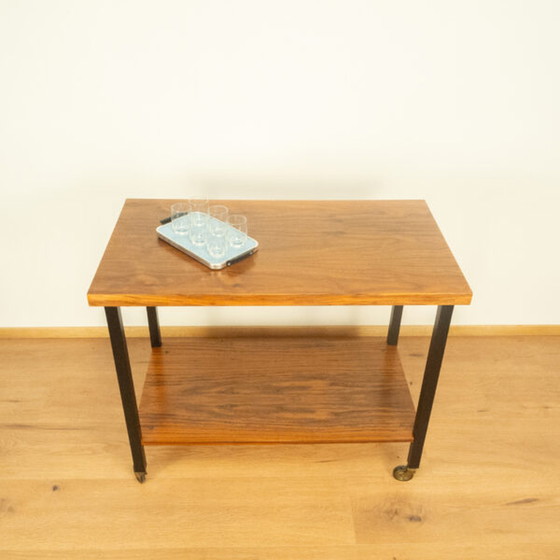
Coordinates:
(383, 551)
(487, 487)
(223, 331)
(275, 390)
(311, 253)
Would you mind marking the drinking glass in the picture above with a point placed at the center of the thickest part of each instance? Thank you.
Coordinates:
(199, 205)
(217, 220)
(180, 221)
(198, 213)
(217, 245)
(237, 233)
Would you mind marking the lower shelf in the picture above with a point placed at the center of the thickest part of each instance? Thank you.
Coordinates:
(275, 390)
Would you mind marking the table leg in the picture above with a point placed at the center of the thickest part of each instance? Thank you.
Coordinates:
(394, 325)
(126, 387)
(427, 393)
(153, 323)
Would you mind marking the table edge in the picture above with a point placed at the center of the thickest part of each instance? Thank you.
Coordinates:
(148, 300)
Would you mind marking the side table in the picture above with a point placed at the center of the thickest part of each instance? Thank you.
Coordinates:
(321, 388)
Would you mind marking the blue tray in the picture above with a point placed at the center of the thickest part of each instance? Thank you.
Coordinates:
(201, 254)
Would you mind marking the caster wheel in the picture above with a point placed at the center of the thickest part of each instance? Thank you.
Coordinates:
(403, 473)
(140, 477)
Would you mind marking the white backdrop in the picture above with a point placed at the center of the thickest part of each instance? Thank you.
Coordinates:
(453, 102)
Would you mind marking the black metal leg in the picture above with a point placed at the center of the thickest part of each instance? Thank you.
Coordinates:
(153, 323)
(395, 325)
(126, 386)
(427, 393)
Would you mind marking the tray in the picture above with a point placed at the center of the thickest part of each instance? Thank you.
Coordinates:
(200, 253)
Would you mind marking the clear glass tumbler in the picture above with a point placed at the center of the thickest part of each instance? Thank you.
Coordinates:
(180, 221)
(217, 218)
(237, 233)
(217, 245)
(198, 214)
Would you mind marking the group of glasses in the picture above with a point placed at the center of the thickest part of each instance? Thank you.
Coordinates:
(209, 225)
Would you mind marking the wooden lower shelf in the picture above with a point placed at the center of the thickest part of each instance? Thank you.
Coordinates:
(275, 390)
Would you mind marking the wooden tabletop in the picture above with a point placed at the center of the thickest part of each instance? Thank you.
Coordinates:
(351, 252)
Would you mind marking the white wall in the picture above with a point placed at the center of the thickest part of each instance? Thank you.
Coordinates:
(453, 102)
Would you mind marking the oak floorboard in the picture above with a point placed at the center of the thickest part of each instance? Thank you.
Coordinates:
(397, 551)
(487, 486)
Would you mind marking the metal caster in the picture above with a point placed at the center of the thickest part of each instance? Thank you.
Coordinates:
(140, 477)
(403, 473)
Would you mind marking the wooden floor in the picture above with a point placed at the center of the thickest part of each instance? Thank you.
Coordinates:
(488, 487)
